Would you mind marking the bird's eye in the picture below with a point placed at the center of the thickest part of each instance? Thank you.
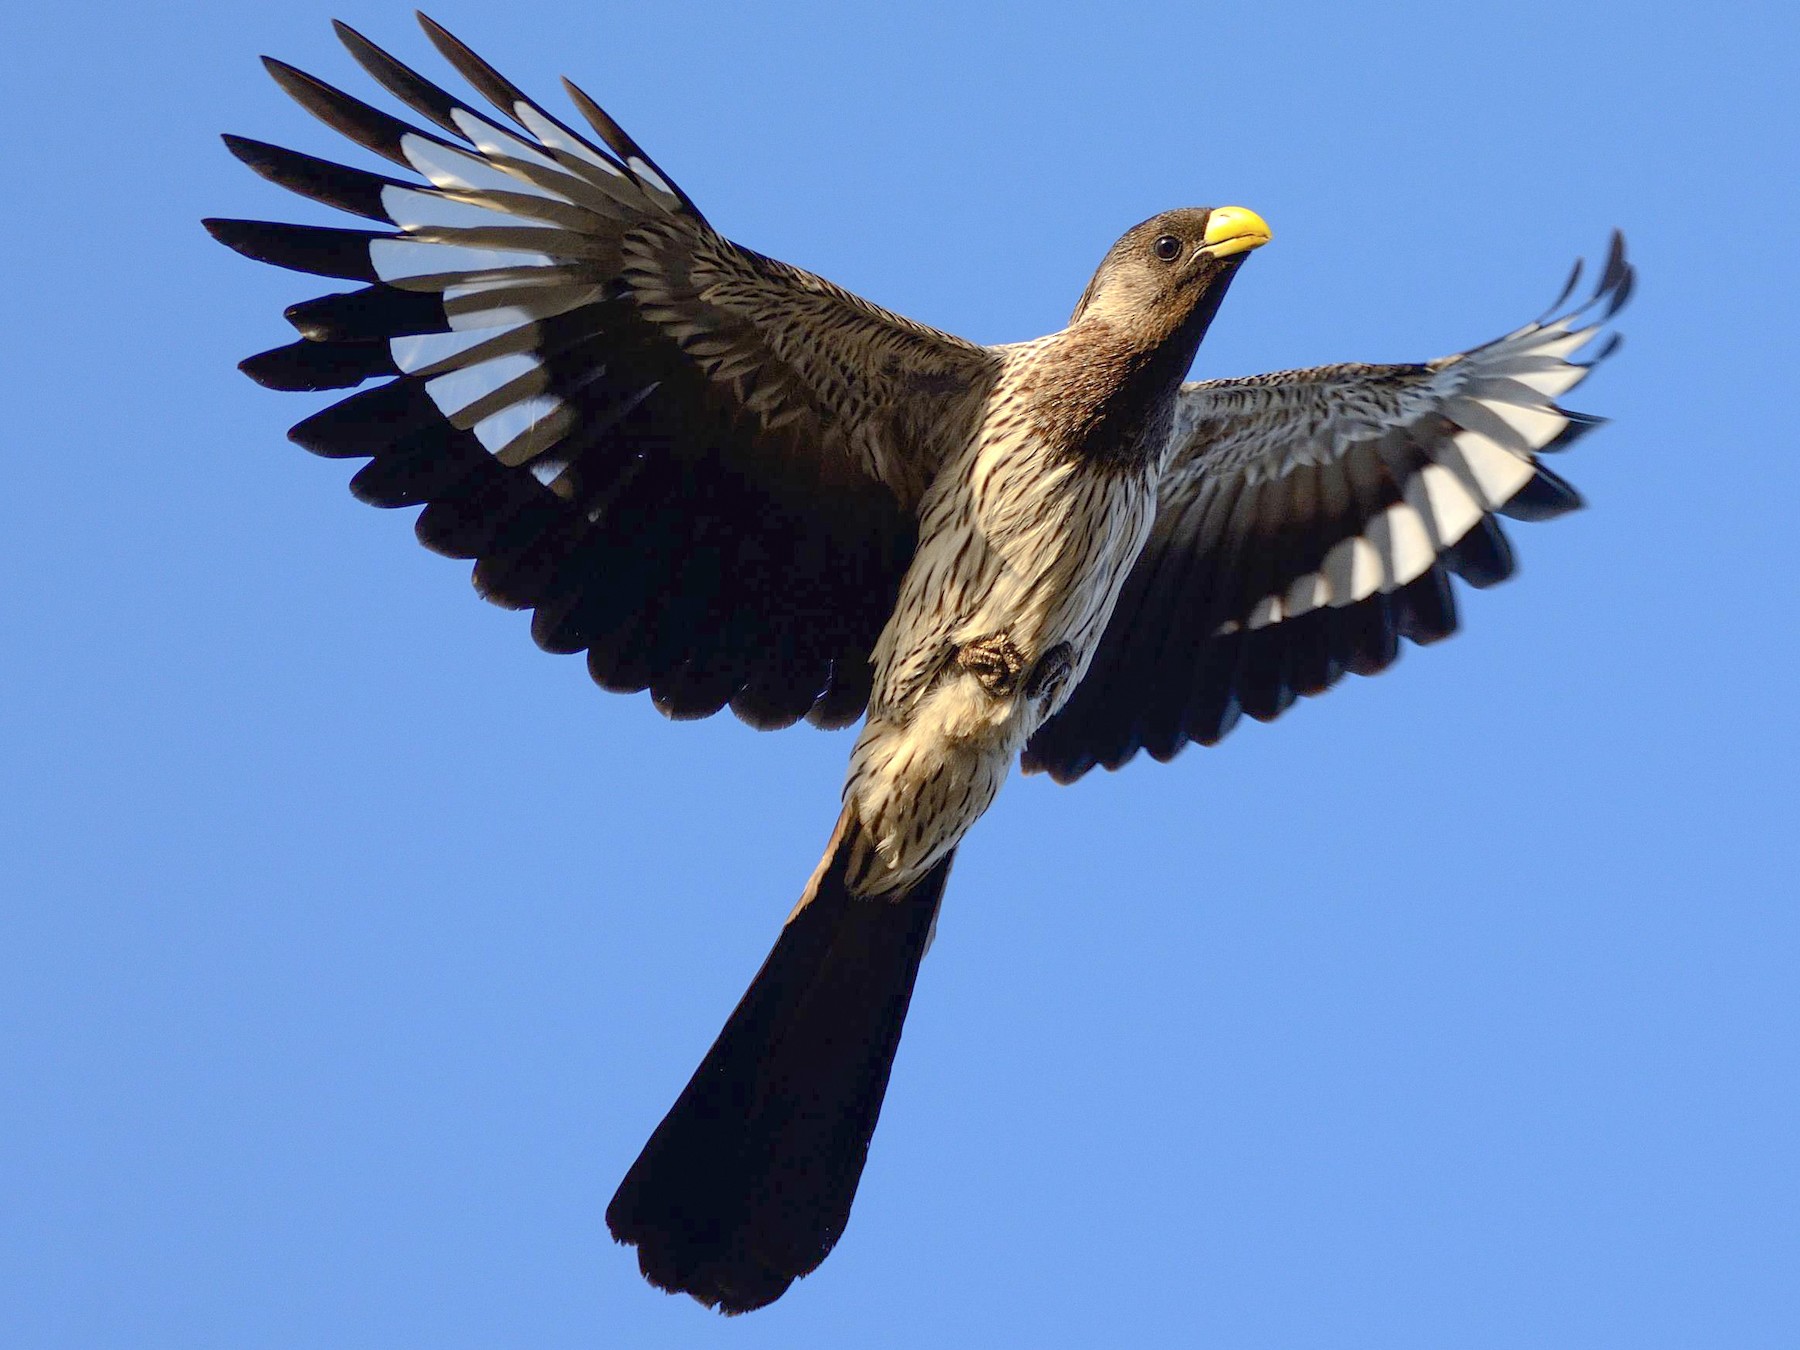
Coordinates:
(1168, 248)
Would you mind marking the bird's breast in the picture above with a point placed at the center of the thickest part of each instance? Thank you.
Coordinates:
(1021, 556)
(1023, 548)
(1060, 534)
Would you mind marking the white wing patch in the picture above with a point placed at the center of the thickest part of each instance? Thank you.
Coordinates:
(500, 145)
(551, 133)
(484, 375)
(420, 209)
(1490, 470)
(1496, 409)
(1353, 571)
(399, 261)
(467, 387)
(494, 303)
(1399, 536)
(457, 236)
(1536, 426)
(524, 429)
(1444, 504)
(430, 354)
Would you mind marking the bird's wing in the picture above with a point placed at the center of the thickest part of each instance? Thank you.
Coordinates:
(1310, 519)
(695, 463)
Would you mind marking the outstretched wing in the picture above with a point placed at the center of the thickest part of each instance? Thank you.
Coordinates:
(695, 463)
(1309, 520)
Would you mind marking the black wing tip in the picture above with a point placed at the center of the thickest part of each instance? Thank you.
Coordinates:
(335, 185)
(1614, 287)
(1618, 279)
(1611, 345)
(256, 367)
(1057, 762)
(1545, 496)
(362, 50)
(1568, 289)
(433, 29)
(266, 369)
(1623, 292)
(261, 156)
(482, 77)
(1615, 259)
(452, 48)
(316, 249)
(309, 366)
(240, 236)
(301, 434)
(629, 153)
(756, 709)
(306, 90)
(367, 126)
(1580, 424)
(1060, 774)
(403, 82)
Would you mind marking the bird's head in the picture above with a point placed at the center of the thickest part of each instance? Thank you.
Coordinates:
(1172, 270)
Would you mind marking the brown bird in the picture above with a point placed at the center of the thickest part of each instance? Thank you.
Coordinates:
(732, 483)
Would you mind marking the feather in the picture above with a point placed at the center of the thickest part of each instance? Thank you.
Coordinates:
(319, 365)
(374, 312)
(352, 190)
(351, 117)
(404, 83)
(317, 249)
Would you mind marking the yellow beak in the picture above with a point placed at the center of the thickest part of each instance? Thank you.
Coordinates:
(1234, 229)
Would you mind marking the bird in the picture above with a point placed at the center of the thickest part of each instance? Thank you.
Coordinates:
(731, 483)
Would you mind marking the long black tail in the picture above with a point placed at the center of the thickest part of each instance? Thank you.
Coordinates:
(747, 1183)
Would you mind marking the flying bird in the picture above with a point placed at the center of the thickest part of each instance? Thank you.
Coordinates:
(734, 484)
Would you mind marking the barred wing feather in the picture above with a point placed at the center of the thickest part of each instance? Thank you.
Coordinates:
(695, 463)
(1309, 520)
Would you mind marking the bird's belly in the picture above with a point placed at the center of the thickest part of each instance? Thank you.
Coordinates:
(996, 621)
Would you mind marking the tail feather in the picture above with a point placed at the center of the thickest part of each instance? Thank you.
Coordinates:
(747, 1183)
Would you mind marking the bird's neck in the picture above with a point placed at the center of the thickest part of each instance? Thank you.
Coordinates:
(1108, 394)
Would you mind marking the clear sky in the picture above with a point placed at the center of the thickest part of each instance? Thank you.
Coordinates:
(352, 946)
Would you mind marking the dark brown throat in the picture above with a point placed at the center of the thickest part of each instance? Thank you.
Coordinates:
(1106, 395)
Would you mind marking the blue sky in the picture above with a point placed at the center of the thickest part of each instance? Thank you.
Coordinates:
(352, 946)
